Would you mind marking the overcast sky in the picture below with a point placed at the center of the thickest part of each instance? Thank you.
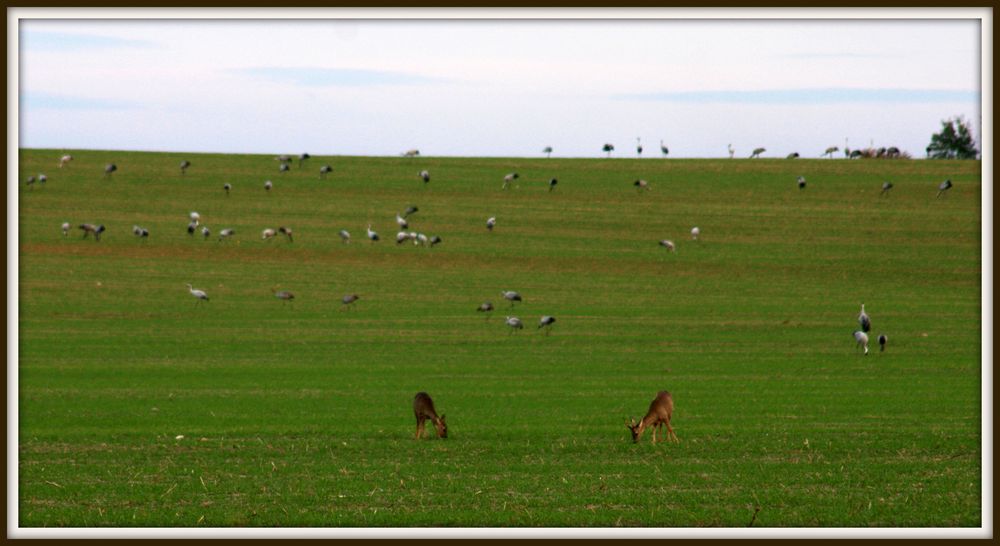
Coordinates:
(495, 87)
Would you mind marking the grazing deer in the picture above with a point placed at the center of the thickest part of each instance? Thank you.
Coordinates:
(423, 409)
(660, 410)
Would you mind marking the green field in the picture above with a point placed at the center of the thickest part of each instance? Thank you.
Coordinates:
(140, 407)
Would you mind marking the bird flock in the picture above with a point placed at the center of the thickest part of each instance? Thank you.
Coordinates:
(417, 238)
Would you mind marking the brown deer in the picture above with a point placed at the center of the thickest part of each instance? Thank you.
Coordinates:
(423, 409)
(660, 410)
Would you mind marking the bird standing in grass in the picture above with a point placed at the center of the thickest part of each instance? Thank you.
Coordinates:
(287, 232)
(435, 240)
(324, 170)
(349, 299)
(109, 168)
(695, 232)
(91, 228)
(184, 166)
(283, 168)
(546, 322)
(802, 182)
(552, 184)
(226, 233)
(64, 160)
(515, 324)
(410, 210)
(485, 307)
(205, 232)
(491, 222)
(886, 186)
(864, 320)
(140, 232)
(509, 178)
(641, 185)
(862, 340)
(511, 296)
(199, 294)
(668, 244)
(267, 185)
(283, 295)
(403, 224)
(227, 186)
(267, 234)
(65, 228)
(881, 342)
(943, 187)
(425, 176)
(372, 235)
(345, 236)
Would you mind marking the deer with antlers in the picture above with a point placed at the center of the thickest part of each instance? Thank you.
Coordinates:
(660, 410)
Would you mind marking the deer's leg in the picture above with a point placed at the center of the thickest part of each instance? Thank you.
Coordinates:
(420, 429)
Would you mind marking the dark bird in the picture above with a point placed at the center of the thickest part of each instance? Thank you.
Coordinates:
(757, 152)
(227, 186)
(881, 341)
(664, 150)
(943, 187)
(425, 176)
(638, 147)
(303, 158)
(91, 228)
(184, 166)
(192, 226)
(793, 155)
(435, 240)
(886, 186)
(283, 168)
(802, 182)
(552, 184)
(324, 170)
(287, 232)
(410, 210)
(110, 168)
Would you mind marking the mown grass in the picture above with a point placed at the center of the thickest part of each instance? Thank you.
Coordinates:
(300, 414)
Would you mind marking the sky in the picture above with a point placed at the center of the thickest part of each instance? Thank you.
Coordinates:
(495, 87)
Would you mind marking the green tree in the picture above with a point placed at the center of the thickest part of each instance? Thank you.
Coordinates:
(953, 142)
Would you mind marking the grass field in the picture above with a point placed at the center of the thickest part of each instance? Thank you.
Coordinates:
(140, 407)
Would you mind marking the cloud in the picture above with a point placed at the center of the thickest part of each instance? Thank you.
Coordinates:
(347, 77)
(46, 101)
(810, 96)
(64, 41)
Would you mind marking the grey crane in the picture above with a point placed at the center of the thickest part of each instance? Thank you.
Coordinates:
(943, 187)
(491, 222)
(267, 185)
(184, 166)
(64, 160)
(109, 168)
(695, 232)
(283, 168)
(793, 155)
(402, 237)
(668, 244)
(862, 340)
(608, 147)
(802, 182)
(227, 186)
(226, 233)
(756, 152)
(140, 232)
(283, 159)
(515, 324)
(192, 225)
(267, 234)
(485, 307)
(287, 232)
(283, 294)
(886, 186)
(403, 224)
(830, 151)
(411, 153)
(641, 185)
(324, 170)
(546, 322)
(42, 178)
(882, 339)
(638, 147)
(349, 299)
(65, 228)
(547, 151)
(302, 158)
(30, 181)
(195, 217)
(864, 320)
(508, 178)
(425, 176)
(199, 294)
(435, 240)
(732, 151)
(345, 236)
(410, 210)
(372, 235)
(664, 150)
(205, 232)
(91, 228)
(511, 296)
(552, 184)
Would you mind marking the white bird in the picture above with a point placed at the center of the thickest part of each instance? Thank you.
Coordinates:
(862, 339)
(881, 341)
(490, 222)
(668, 244)
(345, 236)
(284, 295)
(140, 232)
(514, 323)
(372, 236)
(91, 228)
(267, 185)
(42, 178)
(267, 234)
(205, 232)
(510, 296)
(226, 233)
(425, 176)
(546, 322)
(200, 294)
(863, 320)
(509, 178)
(695, 232)
(324, 170)
(64, 160)
(65, 228)
(227, 186)
(641, 185)
(402, 237)
(411, 153)
(31, 181)
(802, 182)
(403, 224)
(422, 239)
(195, 217)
